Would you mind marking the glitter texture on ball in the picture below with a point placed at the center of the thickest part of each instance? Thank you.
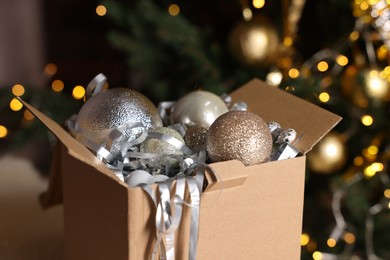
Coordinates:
(240, 135)
(113, 108)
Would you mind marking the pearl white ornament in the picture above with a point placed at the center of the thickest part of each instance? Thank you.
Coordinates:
(199, 108)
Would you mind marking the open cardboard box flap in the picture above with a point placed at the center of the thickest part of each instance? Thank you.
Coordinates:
(272, 104)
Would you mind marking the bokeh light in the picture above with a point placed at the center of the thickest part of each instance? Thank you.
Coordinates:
(51, 69)
(18, 90)
(78, 92)
(15, 104)
(57, 85)
(173, 9)
(101, 10)
(3, 131)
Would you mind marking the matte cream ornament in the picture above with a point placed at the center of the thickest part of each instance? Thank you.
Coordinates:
(113, 108)
(240, 135)
(199, 108)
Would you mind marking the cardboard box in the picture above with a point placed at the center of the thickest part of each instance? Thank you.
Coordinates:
(256, 215)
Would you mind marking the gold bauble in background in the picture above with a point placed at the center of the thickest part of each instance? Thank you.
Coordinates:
(329, 155)
(254, 43)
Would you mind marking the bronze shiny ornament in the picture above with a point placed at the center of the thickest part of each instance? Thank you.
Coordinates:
(239, 135)
(195, 136)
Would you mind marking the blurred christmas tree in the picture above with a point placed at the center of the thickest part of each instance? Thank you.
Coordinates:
(332, 53)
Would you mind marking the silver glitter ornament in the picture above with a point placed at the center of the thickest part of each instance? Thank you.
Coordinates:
(113, 108)
(198, 108)
(240, 135)
(195, 136)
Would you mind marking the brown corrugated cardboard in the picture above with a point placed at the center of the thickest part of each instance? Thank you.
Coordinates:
(252, 212)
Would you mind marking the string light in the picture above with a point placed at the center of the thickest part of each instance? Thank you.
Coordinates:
(173, 9)
(15, 104)
(28, 115)
(367, 120)
(293, 73)
(305, 239)
(78, 92)
(322, 66)
(3, 131)
(247, 14)
(57, 85)
(317, 255)
(51, 69)
(101, 10)
(331, 242)
(354, 36)
(387, 193)
(18, 90)
(358, 161)
(342, 60)
(324, 97)
(349, 238)
(258, 3)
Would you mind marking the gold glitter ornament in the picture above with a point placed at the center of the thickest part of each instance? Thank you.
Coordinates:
(113, 108)
(240, 135)
(195, 136)
(199, 108)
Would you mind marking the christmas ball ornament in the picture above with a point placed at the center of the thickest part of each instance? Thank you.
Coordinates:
(329, 155)
(240, 135)
(195, 136)
(113, 108)
(287, 136)
(254, 43)
(158, 146)
(199, 108)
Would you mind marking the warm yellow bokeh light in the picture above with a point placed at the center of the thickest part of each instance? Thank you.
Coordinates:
(287, 41)
(367, 120)
(364, 6)
(331, 242)
(386, 193)
(317, 255)
(324, 97)
(305, 239)
(358, 161)
(322, 66)
(342, 60)
(57, 85)
(247, 14)
(293, 73)
(15, 104)
(349, 238)
(51, 69)
(3, 131)
(101, 10)
(173, 9)
(78, 92)
(258, 3)
(28, 115)
(18, 90)
(369, 172)
(377, 166)
(354, 36)
(372, 150)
